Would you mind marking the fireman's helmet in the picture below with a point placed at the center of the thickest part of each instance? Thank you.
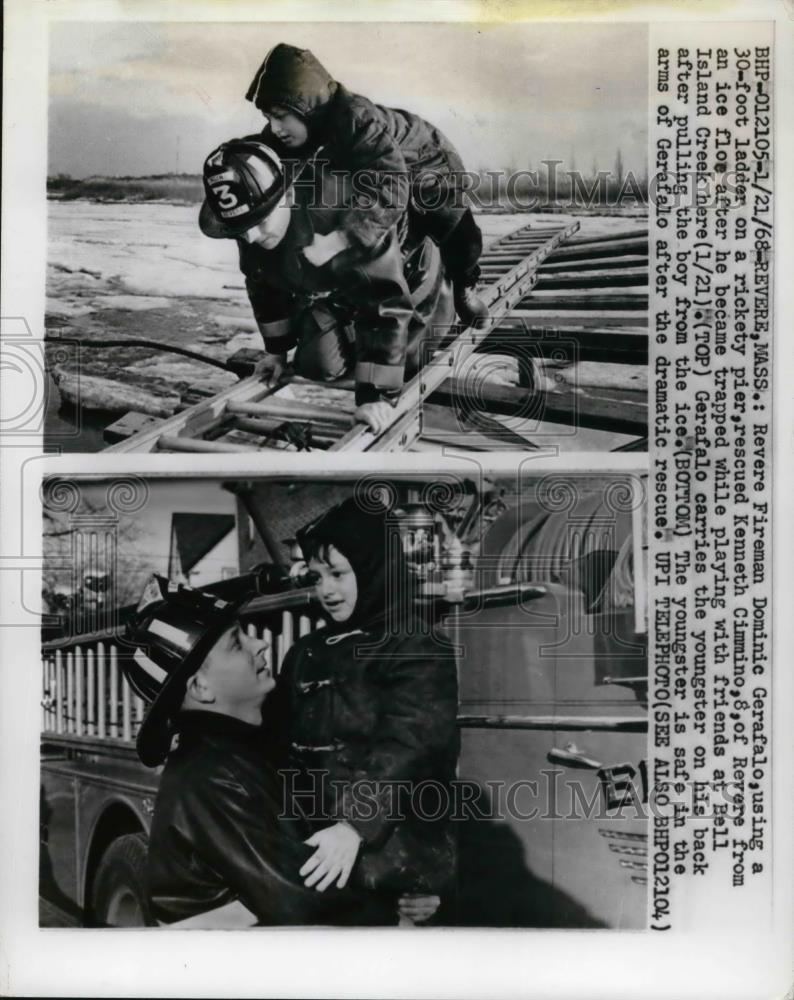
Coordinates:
(244, 180)
(174, 629)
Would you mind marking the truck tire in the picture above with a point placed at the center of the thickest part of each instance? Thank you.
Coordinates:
(118, 894)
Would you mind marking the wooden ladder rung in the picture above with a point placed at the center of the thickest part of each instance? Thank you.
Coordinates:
(172, 442)
(288, 409)
(265, 428)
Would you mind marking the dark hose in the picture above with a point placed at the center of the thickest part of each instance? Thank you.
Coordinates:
(136, 342)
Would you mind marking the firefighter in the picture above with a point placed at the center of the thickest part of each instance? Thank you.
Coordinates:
(370, 704)
(220, 831)
(399, 158)
(365, 309)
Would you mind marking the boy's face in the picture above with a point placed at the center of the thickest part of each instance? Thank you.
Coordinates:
(236, 672)
(287, 127)
(271, 230)
(336, 585)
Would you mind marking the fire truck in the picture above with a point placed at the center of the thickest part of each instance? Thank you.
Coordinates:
(543, 593)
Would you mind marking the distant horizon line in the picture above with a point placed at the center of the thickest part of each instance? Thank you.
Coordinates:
(67, 175)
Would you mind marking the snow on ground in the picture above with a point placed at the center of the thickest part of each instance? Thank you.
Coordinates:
(135, 302)
(147, 271)
(135, 256)
(148, 250)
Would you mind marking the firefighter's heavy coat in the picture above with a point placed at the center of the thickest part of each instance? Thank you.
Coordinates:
(379, 305)
(221, 831)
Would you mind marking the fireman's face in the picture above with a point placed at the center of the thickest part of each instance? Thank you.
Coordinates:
(271, 230)
(335, 584)
(287, 127)
(236, 671)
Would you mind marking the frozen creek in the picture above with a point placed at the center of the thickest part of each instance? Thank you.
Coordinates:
(145, 270)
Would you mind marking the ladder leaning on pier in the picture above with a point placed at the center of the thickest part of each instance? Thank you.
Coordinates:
(547, 296)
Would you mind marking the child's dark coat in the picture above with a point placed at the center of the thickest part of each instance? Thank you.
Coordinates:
(404, 157)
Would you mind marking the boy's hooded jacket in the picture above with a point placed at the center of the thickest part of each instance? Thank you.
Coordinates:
(362, 167)
(370, 707)
(399, 153)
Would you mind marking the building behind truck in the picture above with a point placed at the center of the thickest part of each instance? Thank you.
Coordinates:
(542, 590)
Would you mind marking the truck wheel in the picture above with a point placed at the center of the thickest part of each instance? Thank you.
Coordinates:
(118, 896)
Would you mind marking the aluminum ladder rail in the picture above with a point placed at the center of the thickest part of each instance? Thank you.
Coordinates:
(513, 263)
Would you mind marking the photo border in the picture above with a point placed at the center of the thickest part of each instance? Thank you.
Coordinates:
(445, 962)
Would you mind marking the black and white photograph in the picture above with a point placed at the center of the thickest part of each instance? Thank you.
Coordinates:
(395, 426)
(346, 237)
(376, 701)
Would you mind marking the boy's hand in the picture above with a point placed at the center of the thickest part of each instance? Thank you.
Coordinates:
(270, 368)
(337, 847)
(323, 248)
(417, 908)
(377, 416)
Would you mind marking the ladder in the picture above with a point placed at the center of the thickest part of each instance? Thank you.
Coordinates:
(441, 406)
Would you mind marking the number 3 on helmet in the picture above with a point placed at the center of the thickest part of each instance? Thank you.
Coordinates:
(226, 197)
(243, 181)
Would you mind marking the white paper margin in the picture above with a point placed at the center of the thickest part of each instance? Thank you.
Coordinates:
(378, 963)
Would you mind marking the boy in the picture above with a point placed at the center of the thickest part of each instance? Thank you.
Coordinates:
(400, 160)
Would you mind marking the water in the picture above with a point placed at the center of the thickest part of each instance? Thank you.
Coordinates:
(69, 430)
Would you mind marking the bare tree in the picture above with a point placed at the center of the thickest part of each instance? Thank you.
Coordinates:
(619, 168)
(92, 558)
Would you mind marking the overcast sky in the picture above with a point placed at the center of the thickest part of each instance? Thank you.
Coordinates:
(139, 98)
